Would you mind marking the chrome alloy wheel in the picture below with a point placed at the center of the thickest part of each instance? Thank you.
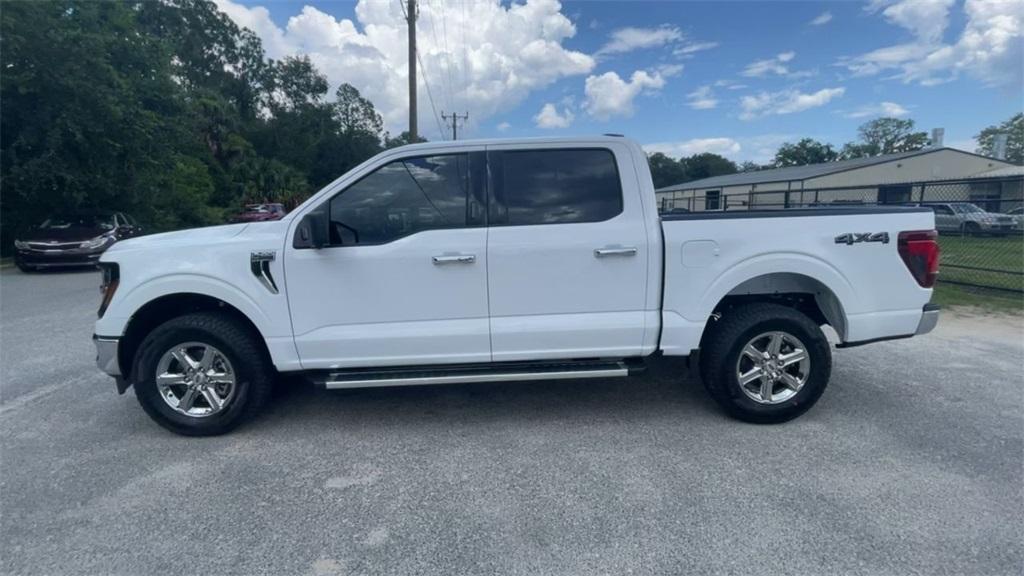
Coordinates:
(195, 379)
(773, 367)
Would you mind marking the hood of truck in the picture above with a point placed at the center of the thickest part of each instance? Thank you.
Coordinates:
(190, 237)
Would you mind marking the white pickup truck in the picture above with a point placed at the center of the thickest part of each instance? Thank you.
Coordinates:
(505, 260)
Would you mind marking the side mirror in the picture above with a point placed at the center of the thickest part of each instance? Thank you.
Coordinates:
(312, 231)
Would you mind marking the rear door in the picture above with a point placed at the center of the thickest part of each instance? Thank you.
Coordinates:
(945, 219)
(566, 253)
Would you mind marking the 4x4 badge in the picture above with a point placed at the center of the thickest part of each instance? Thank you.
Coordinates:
(852, 238)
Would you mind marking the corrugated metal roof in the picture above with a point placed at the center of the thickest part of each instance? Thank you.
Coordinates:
(792, 173)
(1002, 172)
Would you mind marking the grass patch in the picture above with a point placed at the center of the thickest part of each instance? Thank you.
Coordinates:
(951, 295)
(1002, 257)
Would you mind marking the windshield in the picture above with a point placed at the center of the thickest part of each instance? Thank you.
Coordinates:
(967, 208)
(103, 221)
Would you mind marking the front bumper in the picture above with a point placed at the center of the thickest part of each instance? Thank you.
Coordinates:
(998, 227)
(106, 354)
(59, 258)
(929, 318)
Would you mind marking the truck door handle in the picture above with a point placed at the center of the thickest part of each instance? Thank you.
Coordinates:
(454, 259)
(603, 252)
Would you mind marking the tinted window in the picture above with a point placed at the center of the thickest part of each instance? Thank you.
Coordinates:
(101, 221)
(402, 198)
(560, 186)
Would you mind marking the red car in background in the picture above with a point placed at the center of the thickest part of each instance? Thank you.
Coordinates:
(260, 213)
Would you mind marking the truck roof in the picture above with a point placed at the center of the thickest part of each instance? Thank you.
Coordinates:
(427, 146)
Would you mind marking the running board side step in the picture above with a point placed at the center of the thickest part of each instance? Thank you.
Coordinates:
(466, 373)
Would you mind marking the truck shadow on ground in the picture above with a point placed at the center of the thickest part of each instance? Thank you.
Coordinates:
(666, 389)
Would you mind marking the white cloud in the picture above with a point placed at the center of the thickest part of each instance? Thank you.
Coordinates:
(889, 109)
(609, 95)
(786, 102)
(669, 70)
(548, 117)
(729, 84)
(503, 126)
(776, 65)
(821, 19)
(723, 146)
(702, 98)
(760, 148)
(990, 47)
(498, 56)
(689, 48)
(926, 19)
(632, 38)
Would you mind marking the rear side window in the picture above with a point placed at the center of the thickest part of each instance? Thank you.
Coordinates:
(560, 186)
(402, 198)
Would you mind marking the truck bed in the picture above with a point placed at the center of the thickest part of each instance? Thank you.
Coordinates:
(863, 285)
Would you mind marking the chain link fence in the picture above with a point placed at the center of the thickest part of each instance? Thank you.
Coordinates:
(980, 221)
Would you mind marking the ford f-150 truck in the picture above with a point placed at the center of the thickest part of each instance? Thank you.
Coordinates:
(506, 260)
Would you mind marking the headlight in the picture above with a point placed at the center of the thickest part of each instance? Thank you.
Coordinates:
(20, 245)
(96, 242)
(111, 279)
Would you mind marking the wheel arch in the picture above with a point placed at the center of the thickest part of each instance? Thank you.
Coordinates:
(167, 306)
(805, 293)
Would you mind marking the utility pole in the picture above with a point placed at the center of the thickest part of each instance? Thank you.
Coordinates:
(454, 117)
(410, 17)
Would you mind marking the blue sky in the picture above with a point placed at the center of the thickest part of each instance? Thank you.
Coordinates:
(737, 78)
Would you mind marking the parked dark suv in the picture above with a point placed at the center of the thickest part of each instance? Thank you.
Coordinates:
(76, 240)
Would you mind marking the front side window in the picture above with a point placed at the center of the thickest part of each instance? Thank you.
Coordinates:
(402, 198)
(560, 186)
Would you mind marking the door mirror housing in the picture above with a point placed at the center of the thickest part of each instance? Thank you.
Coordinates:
(312, 231)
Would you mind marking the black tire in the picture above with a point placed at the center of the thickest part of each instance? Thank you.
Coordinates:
(971, 229)
(724, 342)
(243, 349)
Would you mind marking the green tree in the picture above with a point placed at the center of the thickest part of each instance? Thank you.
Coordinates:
(706, 165)
(665, 171)
(806, 151)
(885, 136)
(295, 83)
(90, 131)
(401, 140)
(1014, 130)
(355, 113)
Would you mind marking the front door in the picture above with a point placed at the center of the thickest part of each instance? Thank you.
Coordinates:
(567, 254)
(404, 279)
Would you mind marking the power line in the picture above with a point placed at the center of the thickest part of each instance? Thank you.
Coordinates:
(455, 122)
(447, 52)
(430, 96)
(465, 53)
(446, 89)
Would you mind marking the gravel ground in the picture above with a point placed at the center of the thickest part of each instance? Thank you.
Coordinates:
(911, 464)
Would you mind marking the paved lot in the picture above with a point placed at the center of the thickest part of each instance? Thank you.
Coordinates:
(910, 464)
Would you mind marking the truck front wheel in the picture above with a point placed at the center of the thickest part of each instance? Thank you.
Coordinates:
(765, 363)
(202, 374)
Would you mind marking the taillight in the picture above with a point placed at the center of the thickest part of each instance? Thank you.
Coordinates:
(111, 278)
(920, 252)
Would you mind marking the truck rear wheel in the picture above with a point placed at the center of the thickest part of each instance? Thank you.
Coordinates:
(765, 363)
(202, 374)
